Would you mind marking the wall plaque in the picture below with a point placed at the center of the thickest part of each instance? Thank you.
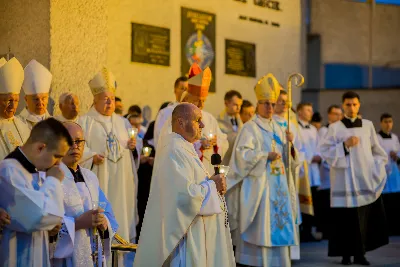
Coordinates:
(240, 58)
(150, 44)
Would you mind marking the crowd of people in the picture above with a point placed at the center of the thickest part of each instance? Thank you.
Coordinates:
(191, 189)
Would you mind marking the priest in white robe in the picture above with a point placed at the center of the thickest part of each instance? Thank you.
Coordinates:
(76, 244)
(358, 178)
(266, 209)
(69, 105)
(14, 132)
(185, 222)
(229, 120)
(213, 140)
(391, 193)
(33, 201)
(106, 134)
(180, 86)
(36, 87)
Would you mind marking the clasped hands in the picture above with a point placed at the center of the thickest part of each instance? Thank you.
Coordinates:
(220, 183)
(91, 219)
(275, 155)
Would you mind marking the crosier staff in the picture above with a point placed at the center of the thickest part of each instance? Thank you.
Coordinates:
(299, 82)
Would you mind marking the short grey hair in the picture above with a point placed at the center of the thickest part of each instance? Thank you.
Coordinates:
(65, 96)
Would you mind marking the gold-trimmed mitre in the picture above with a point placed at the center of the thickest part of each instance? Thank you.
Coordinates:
(199, 81)
(265, 91)
(104, 81)
(11, 76)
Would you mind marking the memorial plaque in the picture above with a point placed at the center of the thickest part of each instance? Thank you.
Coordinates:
(240, 58)
(198, 41)
(150, 44)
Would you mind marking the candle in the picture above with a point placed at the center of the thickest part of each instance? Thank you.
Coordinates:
(132, 132)
(147, 151)
(223, 169)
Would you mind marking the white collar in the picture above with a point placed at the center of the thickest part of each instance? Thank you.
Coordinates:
(304, 123)
(352, 119)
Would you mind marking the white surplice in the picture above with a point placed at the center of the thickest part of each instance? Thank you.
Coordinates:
(324, 168)
(108, 136)
(31, 119)
(389, 144)
(162, 117)
(74, 247)
(210, 124)
(35, 205)
(357, 178)
(87, 158)
(262, 199)
(310, 137)
(184, 224)
(14, 132)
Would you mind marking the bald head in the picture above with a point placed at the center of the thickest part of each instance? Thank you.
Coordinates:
(186, 121)
(75, 153)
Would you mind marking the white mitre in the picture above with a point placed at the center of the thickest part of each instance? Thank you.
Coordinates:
(37, 79)
(104, 81)
(11, 76)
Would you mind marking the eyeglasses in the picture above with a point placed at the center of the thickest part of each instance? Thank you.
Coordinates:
(266, 104)
(78, 143)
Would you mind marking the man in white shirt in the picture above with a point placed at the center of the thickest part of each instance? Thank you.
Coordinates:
(31, 193)
(309, 136)
(180, 86)
(391, 193)
(36, 87)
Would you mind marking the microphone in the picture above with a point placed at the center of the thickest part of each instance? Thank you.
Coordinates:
(216, 161)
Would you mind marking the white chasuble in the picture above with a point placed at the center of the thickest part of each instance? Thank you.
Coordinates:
(179, 228)
(14, 133)
(108, 136)
(358, 174)
(230, 126)
(74, 247)
(390, 143)
(35, 205)
(262, 199)
(210, 124)
(31, 119)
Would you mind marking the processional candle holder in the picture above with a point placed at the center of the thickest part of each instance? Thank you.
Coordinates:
(133, 132)
(147, 151)
(95, 237)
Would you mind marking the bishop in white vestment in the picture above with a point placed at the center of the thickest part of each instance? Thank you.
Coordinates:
(106, 134)
(36, 88)
(391, 193)
(14, 132)
(213, 139)
(33, 200)
(358, 178)
(77, 242)
(262, 198)
(185, 222)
